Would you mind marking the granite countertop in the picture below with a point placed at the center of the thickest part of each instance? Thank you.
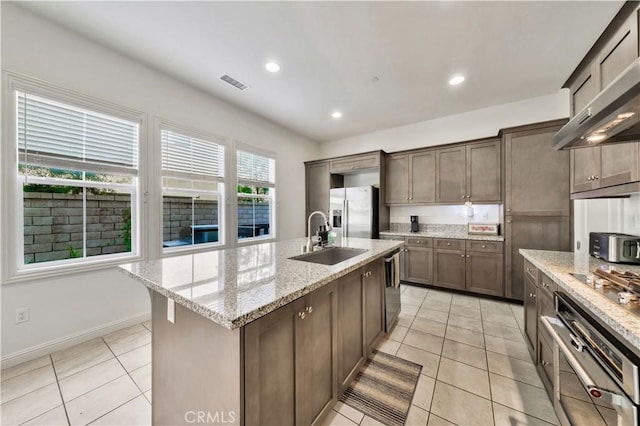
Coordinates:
(558, 265)
(233, 287)
(454, 234)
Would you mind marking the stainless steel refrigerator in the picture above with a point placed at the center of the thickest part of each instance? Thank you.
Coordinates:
(354, 212)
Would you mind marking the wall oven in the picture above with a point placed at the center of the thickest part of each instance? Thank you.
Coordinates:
(595, 374)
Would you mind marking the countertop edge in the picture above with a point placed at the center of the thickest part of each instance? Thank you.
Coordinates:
(602, 308)
(452, 236)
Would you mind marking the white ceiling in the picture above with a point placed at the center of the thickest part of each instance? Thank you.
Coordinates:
(330, 52)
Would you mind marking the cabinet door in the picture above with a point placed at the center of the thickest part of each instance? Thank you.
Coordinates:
(367, 161)
(350, 329)
(537, 233)
(422, 177)
(585, 164)
(584, 89)
(485, 273)
(530, 314)
(271, 346)
(397, 179)
(619, 52)
(419, 265)
(449, 269)
(618, 164)
(373, 303)
(320, 351)
(483, 172)
(545, 358)
(451, 175)
(536, 175)
(318, 187)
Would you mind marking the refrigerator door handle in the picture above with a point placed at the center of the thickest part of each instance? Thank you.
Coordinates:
(345, 226)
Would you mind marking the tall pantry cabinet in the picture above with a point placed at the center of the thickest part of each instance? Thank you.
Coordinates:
(537, 206)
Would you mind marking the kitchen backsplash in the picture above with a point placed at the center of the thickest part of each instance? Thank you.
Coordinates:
(446, 215)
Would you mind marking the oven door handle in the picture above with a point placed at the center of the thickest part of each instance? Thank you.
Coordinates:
(584, 377)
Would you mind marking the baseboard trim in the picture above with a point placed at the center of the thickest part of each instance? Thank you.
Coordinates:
(67, 341)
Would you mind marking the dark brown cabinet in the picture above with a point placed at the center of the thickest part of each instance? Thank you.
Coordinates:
(290, 361)
(351, 340)
(483, 172)
(374, 324)
(485, 273)
(318, 184)
(604, 166)
(449, 268)
(614, 51)
(419, 260)
(451, 175)
(530, 313)
(354, 163)
(411, 178)
(532, 232)
(537, 199)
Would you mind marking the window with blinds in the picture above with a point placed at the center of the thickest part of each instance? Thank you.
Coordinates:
(256, 194)
(192, 175)
(78, 169)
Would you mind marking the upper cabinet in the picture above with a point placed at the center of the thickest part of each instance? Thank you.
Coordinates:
(604, 166)
(451, 175)
(411, 178)
(355, 163)
(536, 175)
(615, 50)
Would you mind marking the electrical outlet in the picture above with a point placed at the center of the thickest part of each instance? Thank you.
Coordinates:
(485, 216)
(22, 315)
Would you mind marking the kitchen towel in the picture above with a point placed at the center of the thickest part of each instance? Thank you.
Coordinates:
(396, 270)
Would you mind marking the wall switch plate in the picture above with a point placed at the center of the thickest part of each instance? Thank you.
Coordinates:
(171, 310)
(22, 315)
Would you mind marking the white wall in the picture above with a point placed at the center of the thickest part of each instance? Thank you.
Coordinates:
(476, 124)
(75, 304)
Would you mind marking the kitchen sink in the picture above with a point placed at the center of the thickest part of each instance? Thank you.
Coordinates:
(329, 256)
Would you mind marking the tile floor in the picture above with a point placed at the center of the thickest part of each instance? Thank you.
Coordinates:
(476, 366)
(476, 371)
(104, 381)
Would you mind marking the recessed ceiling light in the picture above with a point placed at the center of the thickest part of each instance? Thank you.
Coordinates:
(456, 79)
(336, 114)
(272, 67)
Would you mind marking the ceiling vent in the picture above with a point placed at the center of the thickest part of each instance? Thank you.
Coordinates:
(232, 81)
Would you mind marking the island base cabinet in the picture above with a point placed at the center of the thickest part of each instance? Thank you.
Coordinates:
(194, 363)
(290, 362)
(374, 309)
(351, 341)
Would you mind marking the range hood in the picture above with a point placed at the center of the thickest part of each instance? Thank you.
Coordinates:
(612, 116)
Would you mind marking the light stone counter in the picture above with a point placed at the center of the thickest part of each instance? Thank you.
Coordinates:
(444, 234)
(233, 287)
(558, 266)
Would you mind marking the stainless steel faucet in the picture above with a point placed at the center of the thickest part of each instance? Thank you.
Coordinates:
(309, 238)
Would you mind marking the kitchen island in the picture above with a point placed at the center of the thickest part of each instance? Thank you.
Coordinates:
(250, 336)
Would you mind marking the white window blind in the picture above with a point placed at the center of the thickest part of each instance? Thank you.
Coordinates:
(191, 158)
(53, 134)
(255, 169)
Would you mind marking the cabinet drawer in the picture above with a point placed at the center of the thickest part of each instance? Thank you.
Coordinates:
(531, 270)
(422, 242)
(484, 246)
(392, 237)
(545, 358)
(449, 244)
(547, 285)
(348, 164)
(545, 304)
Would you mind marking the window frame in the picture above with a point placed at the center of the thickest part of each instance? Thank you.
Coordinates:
(12, 221)
(164, 124)
(273, 225)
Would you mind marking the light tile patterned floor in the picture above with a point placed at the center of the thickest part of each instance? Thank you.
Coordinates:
(476, 371)
(104, 381)
(476, 366)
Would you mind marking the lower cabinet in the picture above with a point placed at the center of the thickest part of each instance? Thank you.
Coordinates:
(419, 260)
(290, 361)
(449, 268)
(300, 358)
(485, 273)
(545, 359)
(530, 313)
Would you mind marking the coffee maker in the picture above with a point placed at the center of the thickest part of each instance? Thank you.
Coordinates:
(414, 224)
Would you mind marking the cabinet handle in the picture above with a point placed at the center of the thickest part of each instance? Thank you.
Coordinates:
(464, 196)
(468, 255)
(462, 255)
(528, 269)
(509, 221)
(544, 363)
(410, 198)
(418, 242)
(590, 178)
(596, 177)
(484, 246)
(545, 285)
(448, 244)
(407, 198)
(309, 309)
(353, 167)
(508, 210)
(301, 315)
(468, 196)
